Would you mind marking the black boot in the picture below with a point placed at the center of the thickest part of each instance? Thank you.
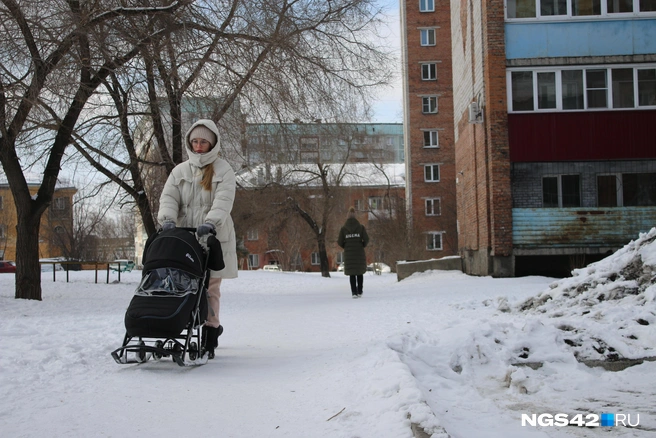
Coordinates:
(211, 339)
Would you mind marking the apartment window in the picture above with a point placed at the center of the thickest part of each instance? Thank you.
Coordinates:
(522, 90)
(561, 191)
(582, 89)
(427, 37)
(315, 258)
(3, 231)
(375, 203)
(546, 90)
(252, 234)
(596, 88)
(431, 139)
(433, 207)
(426, 5)
(429, 71)
(576, 9)
(429, 104)
(339, 257)
(553, 7)
(432, 173)
(626, 190)
(59, 203)
(647, 86)
(253, 260)
(434, 241)
(2, 200)
(358, 204)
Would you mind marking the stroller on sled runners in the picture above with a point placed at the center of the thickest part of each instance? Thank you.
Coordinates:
(169, 308)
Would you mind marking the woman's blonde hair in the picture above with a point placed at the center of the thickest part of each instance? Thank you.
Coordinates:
(351, 212)
(206, 180)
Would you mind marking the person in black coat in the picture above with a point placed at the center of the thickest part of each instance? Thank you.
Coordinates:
(353, 238)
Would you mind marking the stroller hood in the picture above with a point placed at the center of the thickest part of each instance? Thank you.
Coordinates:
(176, 248)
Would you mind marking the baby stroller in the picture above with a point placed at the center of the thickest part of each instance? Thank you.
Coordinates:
(167, 312)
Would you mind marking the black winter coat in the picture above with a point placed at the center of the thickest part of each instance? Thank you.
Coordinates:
(353, 238)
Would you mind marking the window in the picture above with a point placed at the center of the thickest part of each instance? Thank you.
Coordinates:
(429, 104)
(646, 87)
(577, 9)
(428, 71)
(3, 231)
(546, 90)
(59, 203)
(432, 173)
(375, 203)
(339, 257)
(358, 204)
(586, 7)
(581, 89)
(561, 191)
(434, 241)
(315, 258)
(253, 260)
(431, 139)
(522, 90)
(596, 88)
(520, 8)
(627, 189)
(252, 234)
(433, 207)
(427, 37)
(426, 5)
(1, 202)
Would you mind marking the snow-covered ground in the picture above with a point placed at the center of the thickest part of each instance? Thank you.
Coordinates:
(300, 358)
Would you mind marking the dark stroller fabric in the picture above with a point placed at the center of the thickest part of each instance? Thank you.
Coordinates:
(173, 275)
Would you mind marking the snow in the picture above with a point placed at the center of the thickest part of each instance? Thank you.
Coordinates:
(457, 355)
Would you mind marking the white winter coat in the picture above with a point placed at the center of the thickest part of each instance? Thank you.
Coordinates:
(185, 202)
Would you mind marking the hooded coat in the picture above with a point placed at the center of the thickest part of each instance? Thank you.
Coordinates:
(353, 238)
(185, 202)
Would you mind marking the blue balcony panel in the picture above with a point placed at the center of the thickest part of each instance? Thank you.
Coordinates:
(580, 38)
(580, 227)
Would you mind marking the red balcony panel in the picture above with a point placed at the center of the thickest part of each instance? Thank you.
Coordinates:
(582, 136)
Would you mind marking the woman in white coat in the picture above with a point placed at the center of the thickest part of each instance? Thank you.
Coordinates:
(199, 193)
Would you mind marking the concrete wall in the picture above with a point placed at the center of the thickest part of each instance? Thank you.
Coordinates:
(406, 269)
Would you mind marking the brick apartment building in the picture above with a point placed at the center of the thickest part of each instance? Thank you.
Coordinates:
(554, 114)
(428, 121)
(56, 222)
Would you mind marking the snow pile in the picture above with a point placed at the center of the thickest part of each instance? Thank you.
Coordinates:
(607, 310)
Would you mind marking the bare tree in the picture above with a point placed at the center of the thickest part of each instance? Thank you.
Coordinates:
(55, 55)
(271, 60)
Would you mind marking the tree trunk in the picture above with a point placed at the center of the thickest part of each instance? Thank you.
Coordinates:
(28, 270)
(323, 255)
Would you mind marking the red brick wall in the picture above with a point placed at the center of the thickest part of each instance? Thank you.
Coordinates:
(415, 121)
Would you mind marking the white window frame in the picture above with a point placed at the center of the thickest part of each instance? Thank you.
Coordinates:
(315, 260)
(375, 203)
(433, 206)
(252, 234)
(253, 261)
(427, 37)
(559, 87)
(432, 168)
(428, 71)
(433, 138)
(569, 17)
(358, 204)
(434, 234)
(426, 5)
(429, 104)
(560, 188)
(339, 257)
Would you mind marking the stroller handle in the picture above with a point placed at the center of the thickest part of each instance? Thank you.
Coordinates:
(193, 229)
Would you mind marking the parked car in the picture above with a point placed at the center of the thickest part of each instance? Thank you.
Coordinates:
(274, 268)
(47, 265)
(379, 268)
(340, 267)
(124, 264)
(7, 267)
